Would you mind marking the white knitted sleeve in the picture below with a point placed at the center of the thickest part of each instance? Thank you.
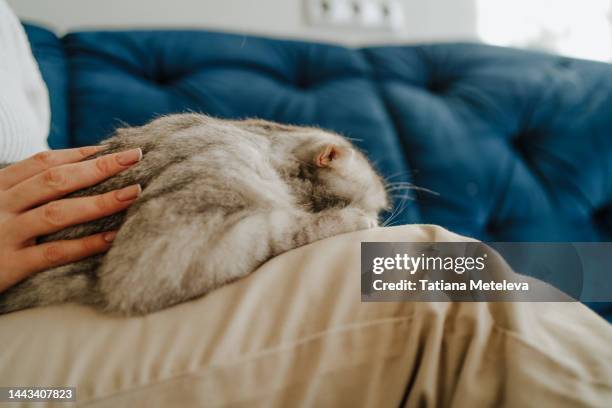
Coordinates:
(24, 101)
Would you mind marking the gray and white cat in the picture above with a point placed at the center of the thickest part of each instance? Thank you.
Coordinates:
(219, 198)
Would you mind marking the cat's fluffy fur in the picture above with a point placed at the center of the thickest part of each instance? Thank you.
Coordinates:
(219, 199)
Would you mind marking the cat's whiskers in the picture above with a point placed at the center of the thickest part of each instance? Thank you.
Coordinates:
(390, 187)
(401, 186)
(353, 139)
(388, 179)
(394, 214)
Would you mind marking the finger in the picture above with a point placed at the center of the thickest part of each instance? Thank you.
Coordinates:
(51, 254)
(23, 170)
(56, 182)
(58, 215)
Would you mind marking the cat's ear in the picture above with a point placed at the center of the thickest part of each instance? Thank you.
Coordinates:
(327, 154)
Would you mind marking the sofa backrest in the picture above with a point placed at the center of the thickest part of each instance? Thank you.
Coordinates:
(517, 145)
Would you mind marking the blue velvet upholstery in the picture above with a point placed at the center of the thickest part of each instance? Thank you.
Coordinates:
(49, 53)
(518, 145)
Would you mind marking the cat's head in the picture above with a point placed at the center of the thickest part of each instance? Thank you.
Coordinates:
(341, 175)
(328, 171)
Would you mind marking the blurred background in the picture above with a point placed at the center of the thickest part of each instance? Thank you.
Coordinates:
(578, 28)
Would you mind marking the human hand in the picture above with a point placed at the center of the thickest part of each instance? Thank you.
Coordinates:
(31, 206)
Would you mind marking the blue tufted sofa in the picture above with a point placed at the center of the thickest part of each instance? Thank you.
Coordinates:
(517, 145)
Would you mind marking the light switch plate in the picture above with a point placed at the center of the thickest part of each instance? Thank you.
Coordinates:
(362, 14)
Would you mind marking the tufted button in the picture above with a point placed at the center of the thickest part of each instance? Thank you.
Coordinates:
(438, 86)
(603, 217)
(520, 144)
(162, 79)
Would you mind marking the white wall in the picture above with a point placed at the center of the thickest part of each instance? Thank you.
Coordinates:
(425, 20)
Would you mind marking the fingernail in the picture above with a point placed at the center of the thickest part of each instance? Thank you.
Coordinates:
(109, 236)
(128, 193)
(129, 157)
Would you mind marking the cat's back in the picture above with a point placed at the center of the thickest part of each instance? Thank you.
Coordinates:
(208, 159)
